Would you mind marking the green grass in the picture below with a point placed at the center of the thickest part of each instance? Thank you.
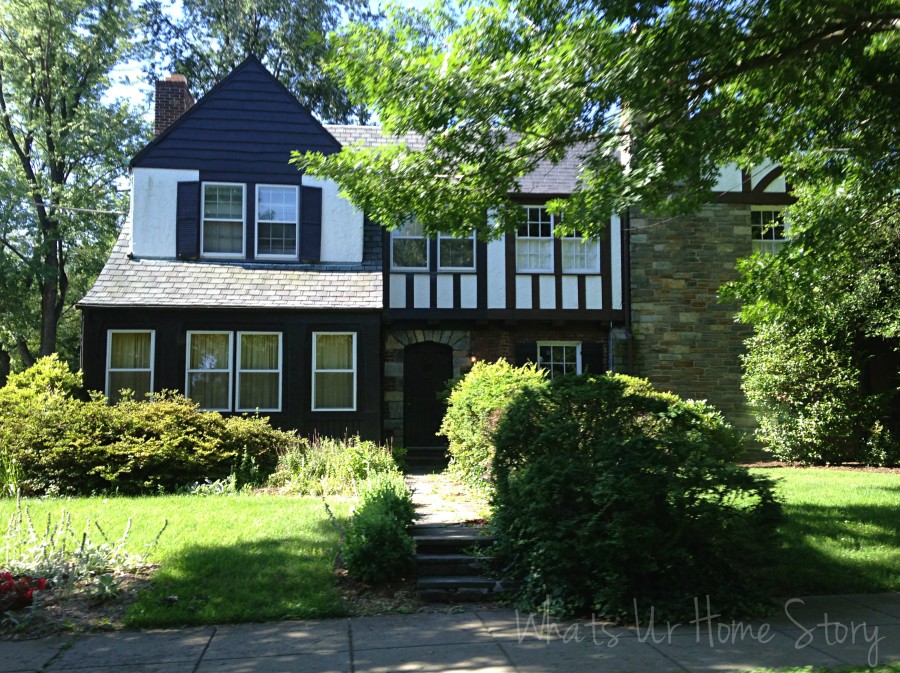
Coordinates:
(222, 559)
(841, 534)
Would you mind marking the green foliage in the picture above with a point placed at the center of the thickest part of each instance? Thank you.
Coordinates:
(807, 392)
(378, 548)
(609, 492)
(64, 145)
(209, 38)
(474, 409)
(328, 466)
(62, 444)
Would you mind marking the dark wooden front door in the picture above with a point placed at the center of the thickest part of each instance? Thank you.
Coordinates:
(426, 368)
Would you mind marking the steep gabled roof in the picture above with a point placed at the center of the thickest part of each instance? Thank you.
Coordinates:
(249, 122)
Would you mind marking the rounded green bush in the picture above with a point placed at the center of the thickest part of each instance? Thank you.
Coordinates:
(611, 495)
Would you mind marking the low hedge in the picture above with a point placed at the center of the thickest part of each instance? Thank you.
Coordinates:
(64, 442)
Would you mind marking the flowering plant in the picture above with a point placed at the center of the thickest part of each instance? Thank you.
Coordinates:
(18, 592)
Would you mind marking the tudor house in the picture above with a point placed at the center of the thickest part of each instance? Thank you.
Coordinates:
(254, 288)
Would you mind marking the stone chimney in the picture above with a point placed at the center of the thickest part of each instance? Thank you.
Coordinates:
(173, 99)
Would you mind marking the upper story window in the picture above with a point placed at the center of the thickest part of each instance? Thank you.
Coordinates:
(222, 220)
(767, 229)
(534, 241)
(456, 254)
(559, 357)
(277, 221)
(409, 247)
(129, 362)
(534, 246)
(579, 255)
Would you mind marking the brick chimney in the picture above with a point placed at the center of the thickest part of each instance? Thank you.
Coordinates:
(173, 99)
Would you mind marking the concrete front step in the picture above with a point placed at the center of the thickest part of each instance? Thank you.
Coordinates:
(453, 565)
(450, 543)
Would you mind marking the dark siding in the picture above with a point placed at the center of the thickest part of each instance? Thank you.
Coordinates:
(187, 221)
(296, 327)
(592, 359)
(247, 126)
(525, 353)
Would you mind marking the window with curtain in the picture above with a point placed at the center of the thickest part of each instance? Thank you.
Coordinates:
(129, 361)
(222, 232)
(334, 371)
(579, 255)
(276, 221)
(409, 247)
(208, 379)
(456, 253)
(534, 241)
(559, 357)
(259, 371)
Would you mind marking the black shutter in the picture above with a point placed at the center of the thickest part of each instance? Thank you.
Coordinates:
(592, 359)
(525, 353)
(187, 221)
(311, 224)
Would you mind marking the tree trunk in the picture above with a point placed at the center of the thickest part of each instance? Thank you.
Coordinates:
(4, 366)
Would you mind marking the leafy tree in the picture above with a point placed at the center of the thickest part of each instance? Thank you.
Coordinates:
(63, 145)
(679, 87)
(653, 97)
(211, 37)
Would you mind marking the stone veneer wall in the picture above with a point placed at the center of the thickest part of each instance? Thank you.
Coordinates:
(685, 340)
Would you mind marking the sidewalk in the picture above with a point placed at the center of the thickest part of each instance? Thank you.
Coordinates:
(827, 631)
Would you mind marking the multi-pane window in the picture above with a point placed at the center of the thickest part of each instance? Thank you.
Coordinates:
(409, 246)
(259, 371)
(129, 363)
(456, 253)
(559, 357)
(534, 241)
(276, 221)
(767, 230)
(211, 375)
(222, 233)
(334, 371)
(580, 255)
(208, 371)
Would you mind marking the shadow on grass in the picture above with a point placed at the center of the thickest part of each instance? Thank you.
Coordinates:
(839, 549)
(248, 581)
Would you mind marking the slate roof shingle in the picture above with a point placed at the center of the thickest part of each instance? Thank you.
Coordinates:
(152, 283)
(547, 178)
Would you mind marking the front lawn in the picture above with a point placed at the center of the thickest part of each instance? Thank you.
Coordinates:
(841, 531)
(222, 558)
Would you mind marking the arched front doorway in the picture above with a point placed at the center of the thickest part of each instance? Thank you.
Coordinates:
(426, 368)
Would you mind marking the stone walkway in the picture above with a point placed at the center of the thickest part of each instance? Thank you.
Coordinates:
(440, 502)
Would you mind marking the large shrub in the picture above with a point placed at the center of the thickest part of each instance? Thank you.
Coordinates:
(805, 386)
(474, 409)
(378, 547)
(609, 492)
(62, 444)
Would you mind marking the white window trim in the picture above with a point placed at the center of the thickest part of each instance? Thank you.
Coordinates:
(238, 371)
(188, 371)
(109, 338)
(336, 371)
(471, 237)
(223, 255)
(769, 246)
(579, 368)
(394, 267)
(543, 270)
(296, 252)
(576, 272)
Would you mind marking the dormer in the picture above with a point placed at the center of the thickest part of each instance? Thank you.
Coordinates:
(216, 183)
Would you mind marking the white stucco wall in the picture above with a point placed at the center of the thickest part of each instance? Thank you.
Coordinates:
(342, 224)
(154, 196)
